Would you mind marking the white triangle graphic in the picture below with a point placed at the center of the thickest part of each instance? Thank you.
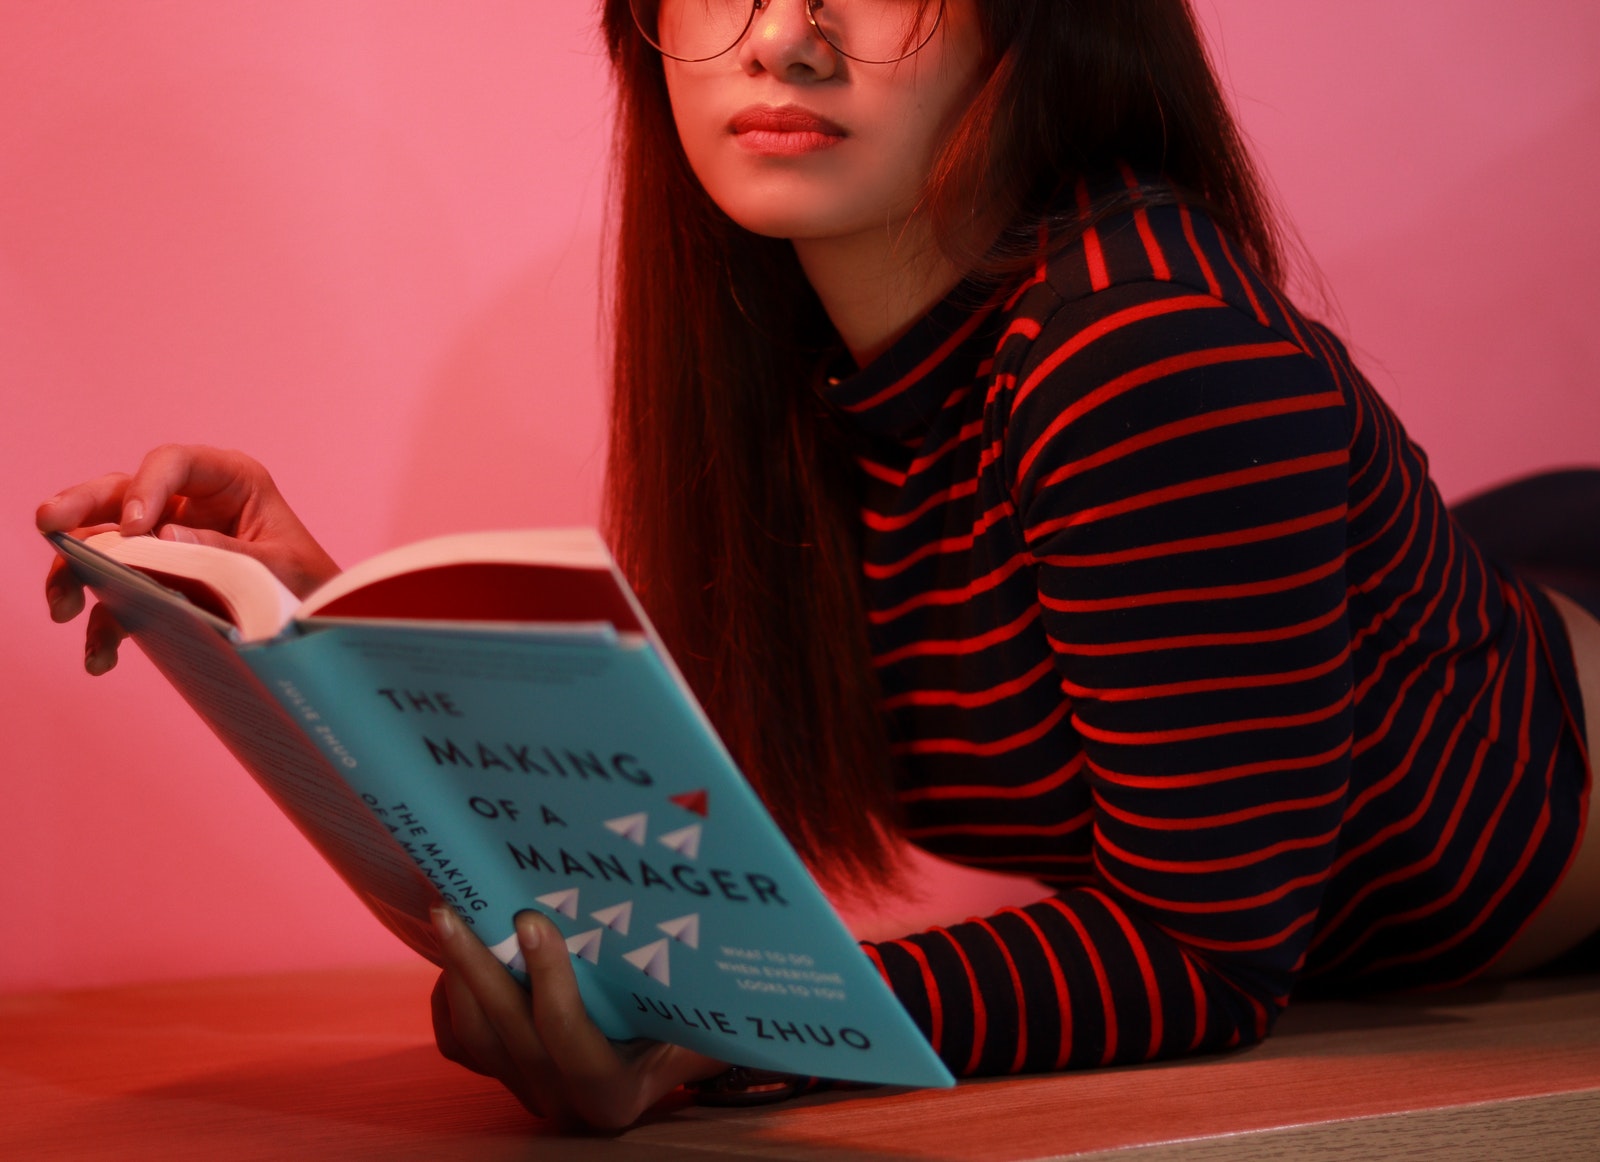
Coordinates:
(565, 902)
(586, 945)
(630, 826)
(509, 953)
(616, 917)
(685, 841)
(683, 929)
(652, 961)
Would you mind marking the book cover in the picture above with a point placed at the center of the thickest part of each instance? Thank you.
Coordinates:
(559, 766)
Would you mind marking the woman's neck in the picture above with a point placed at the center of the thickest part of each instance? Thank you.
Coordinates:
(874, 286)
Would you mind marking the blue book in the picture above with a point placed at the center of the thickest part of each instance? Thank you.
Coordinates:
(490, 719)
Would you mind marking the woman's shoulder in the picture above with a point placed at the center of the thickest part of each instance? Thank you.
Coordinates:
(1139, 244)
(1150, 314)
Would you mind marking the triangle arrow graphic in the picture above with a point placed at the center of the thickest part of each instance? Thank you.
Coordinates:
(652, 961)
(616, 917)
(683, 929)
(586, 945)
(564, 903)
(697, 801)
(685, 841)
(509, 953)
(631, 827)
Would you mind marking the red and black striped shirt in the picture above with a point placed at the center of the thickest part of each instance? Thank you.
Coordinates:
(1169, 616)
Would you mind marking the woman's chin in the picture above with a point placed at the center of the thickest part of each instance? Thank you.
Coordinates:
(808, 225)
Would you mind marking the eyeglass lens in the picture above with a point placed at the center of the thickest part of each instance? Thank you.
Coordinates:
(870, 31)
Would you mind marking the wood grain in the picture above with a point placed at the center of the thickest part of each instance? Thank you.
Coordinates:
(341, 1063)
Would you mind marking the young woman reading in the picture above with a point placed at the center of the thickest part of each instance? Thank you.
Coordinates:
(971, 459)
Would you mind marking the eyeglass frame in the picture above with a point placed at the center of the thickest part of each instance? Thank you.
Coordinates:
(811, 17)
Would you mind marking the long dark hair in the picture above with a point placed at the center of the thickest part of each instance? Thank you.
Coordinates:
(730, 499)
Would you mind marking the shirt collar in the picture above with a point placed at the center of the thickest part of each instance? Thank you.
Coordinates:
(899, 394)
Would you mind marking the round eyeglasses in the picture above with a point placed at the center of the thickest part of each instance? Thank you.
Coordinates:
(874, 32)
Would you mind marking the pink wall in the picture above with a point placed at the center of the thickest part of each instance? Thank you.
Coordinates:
(360, 239)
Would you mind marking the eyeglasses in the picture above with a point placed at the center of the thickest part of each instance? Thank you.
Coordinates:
(875, 32)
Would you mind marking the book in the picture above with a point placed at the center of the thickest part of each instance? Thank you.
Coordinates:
(489, 719)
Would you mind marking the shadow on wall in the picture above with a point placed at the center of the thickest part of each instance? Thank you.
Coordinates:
(510, 430)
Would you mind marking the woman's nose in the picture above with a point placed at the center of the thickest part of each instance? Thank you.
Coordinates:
(783, 41)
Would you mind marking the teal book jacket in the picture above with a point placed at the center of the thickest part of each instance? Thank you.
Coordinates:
(553, 763)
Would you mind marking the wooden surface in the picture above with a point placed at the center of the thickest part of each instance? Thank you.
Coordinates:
(341, 1064)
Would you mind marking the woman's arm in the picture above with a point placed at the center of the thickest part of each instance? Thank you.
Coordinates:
(1181, 484)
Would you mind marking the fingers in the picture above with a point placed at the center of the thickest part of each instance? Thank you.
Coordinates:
(543, 1046)
(573, 1041)
(135, 504)
(100, 641)
(604, 1089)
(198, 494)
(488, 1019)
(215, 486)
(228, 500)
(473, 973)
(109, 501)
(97, 501)
(460, 1031)
(63, 591)
(210, 486)
(198, 536)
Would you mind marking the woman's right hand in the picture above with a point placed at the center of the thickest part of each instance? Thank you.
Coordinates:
(181, 493)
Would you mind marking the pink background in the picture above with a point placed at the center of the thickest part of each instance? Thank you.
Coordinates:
(360, 239)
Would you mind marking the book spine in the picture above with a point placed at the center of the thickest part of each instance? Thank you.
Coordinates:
(192, 652)
(321, 689)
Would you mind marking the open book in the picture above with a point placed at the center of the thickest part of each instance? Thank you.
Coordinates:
(555, 577)
(489, 718)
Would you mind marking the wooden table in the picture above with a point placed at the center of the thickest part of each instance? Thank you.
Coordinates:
(341, 1064)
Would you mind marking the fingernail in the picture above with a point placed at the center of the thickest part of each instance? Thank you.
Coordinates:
(65, 604)
(133, 512)
(97, 662)
(52, 502)
(530, 933)
(180, 534)
(444, 920)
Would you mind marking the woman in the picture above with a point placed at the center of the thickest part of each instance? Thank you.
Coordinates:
(970, 460)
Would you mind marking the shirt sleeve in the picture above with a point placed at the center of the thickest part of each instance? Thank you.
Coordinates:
(1180, 479)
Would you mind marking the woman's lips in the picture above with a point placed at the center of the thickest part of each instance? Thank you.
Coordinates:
(784, 130)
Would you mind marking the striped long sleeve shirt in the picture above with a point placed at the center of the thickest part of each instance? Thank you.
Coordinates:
(1168, 615)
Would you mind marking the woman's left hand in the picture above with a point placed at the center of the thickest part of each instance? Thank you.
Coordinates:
(541, 1044)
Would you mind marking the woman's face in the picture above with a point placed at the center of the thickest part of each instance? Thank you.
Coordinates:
(794, 140)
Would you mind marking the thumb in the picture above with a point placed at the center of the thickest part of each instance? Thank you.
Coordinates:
(287, 565)
(185, 535)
